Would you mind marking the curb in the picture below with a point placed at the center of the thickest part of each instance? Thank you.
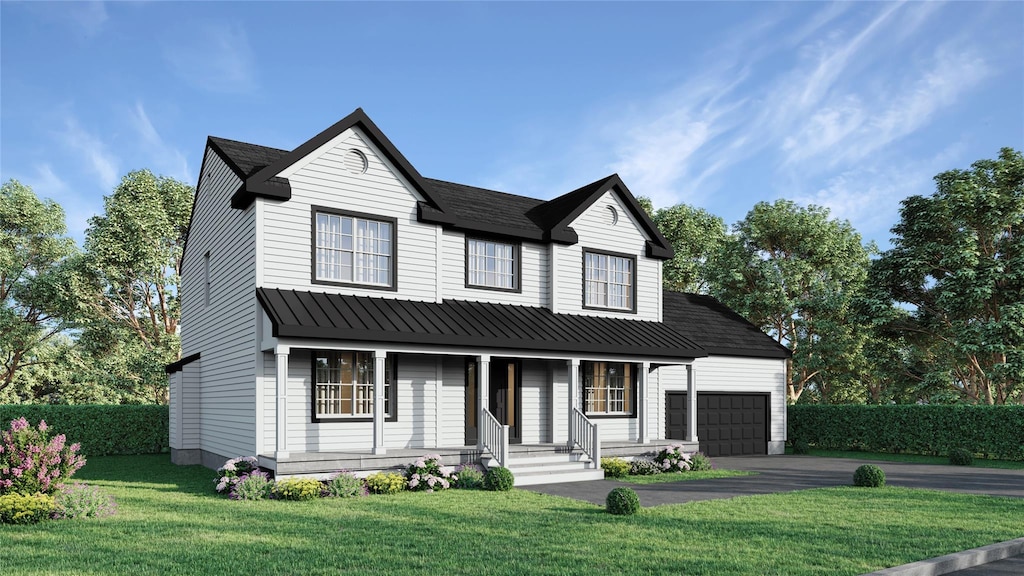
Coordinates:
(956, 561)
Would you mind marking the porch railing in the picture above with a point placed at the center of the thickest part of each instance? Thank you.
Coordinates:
(583, 433)
(494, 436)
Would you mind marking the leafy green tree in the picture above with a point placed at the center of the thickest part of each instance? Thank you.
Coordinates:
(957, 263)
(37, 299)
(696, 235)
(797, 274)
(130, 271)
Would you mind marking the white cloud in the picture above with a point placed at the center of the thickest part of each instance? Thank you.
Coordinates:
(93, 151)
(212, 57)
(78, 208)
(164, 158)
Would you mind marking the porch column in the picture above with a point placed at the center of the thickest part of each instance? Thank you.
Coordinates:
(380, 358)
(281, 414)
(643, 432)
(574, 393)
(483, 390)
(691, 401)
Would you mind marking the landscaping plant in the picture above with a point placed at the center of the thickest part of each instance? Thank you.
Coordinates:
(233, 471)
(622, 501)
(469, 476)
(643, 467)
(345, 485)
(31, 461)
(25, 508)
(614, 467)
(428, 474)
(673, 459)
(83, 501)
(385, 483)
(961, 457)
(869, 476)
(499, 479)
(699, 462)
(801, 447)
(255, 485)
(296, 489)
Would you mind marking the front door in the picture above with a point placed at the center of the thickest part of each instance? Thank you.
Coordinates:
(472, 396)
(506, 396)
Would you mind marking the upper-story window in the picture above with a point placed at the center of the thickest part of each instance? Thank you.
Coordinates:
(492, 264)
(352, 248)
(609, 281)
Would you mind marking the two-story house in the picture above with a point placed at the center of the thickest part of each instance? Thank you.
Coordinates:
(339, 310)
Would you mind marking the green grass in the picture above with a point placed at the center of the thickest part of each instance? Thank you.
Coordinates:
(683, 476)
(170, 522)
(915, 458)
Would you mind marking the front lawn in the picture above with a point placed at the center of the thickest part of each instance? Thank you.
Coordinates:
(170, 522)
(683, 476)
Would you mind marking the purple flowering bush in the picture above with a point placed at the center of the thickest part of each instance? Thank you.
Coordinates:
(673, 459)
(83, 501)
(32, 462)
(428, 474)
(256, 485)
(234, 471)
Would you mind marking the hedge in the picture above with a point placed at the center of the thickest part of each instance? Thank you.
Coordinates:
(101, 429)
(992, 431)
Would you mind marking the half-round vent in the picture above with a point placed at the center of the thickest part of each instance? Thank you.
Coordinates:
(613, 216)
(355, 162)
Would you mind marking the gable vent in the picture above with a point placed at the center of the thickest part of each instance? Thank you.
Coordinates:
(355, 162)
(613, 216)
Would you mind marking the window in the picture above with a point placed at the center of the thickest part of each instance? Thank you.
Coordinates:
(353, 249)
(608, 388)
(206, 279)
(491, 264)
(344, 385)
(608, 281)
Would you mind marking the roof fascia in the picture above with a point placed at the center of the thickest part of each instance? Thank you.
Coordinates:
(177, 366)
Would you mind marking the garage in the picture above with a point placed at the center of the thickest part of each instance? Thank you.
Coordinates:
(727, 424)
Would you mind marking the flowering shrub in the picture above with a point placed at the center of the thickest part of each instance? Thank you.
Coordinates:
(644, 467)
(699, 462)
(255, 485)
(25, 508)
(673, 459)
(345, 485)
(428, 474)
(385, 483)
(233, 471)
(297, 489)
(469, 476)
(614, 467)
(83, 501)
(31, 461)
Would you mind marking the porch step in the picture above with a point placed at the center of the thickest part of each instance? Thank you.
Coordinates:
(551, 469)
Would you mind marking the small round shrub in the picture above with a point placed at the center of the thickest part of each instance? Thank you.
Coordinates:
(25, 508)
(469, 477)
(622, 501)
(870, 476)
(344, 485)
(385, 483)
(255, 485)
(83, 501)
(699, 462)
(296, 489)
(614, 467)
(801, 447)
(643, 467)
(499, 479)
(961, 457)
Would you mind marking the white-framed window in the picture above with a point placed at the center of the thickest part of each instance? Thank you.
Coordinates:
(609, 280)
(492, 264)
(343, 385)
(353, 249)
(608, 388)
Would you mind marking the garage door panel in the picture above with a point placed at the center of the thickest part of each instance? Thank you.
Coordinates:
(727, 424)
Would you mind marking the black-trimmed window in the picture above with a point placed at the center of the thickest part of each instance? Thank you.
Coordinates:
(609, 281)
(343, 385)
(353, 248)
(492, 264)
(609, 389)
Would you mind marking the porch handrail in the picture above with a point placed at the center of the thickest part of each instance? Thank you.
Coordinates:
(494, 436)
(584, 435)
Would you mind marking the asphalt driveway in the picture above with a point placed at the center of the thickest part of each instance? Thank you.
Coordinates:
(788, 473)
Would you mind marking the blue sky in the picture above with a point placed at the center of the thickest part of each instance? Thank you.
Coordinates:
(853, 106)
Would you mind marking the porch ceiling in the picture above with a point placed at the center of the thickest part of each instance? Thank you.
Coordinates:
(316, 315)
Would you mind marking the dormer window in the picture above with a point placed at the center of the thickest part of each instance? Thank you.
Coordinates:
(353, 249)
(492, 264)
(609, 281)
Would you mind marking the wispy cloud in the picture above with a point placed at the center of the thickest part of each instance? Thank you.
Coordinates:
(78, 208)
(217, 58)
(163, 157)
(92, 151)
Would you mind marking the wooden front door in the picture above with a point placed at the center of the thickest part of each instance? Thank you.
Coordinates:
(472, 397)
(506, 396)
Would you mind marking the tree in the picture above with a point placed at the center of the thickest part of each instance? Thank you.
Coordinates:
(130, 271)
(37, 299)
(796, 274)
(695, 234)
(957, 263)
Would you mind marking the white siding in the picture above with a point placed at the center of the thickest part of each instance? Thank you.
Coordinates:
(191, 408)
(595, 231)
(534, 275)
(535, 427)
(173, 408)
(322, 180)
(223, 332)
(453, 402)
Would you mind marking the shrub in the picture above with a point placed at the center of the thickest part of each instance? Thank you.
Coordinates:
(801, 447)
(644, 467)
(469, 476)
(869, 476)
(699, 462)
(233, 471)
(622, 501)
(385, 483)
(101, 430)
(31, 461)
(614, 467)
(83, 501)
(345, 485)
(673, 459)
(961, 457)
(499, 479)
(25, 508)
(428, 474)
(296, 489)
(255, 485)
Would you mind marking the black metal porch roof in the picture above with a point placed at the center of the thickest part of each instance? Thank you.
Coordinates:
(316, 315)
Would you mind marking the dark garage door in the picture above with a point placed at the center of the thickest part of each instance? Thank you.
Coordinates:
(727, 424)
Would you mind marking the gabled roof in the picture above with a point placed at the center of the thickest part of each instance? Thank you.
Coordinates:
(719, 329)
(317, 315)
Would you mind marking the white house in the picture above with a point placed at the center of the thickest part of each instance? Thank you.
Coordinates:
(339, 310)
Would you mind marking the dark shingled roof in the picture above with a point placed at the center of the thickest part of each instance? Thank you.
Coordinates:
(719, 330)
(247, 158)
(472, 204)
(296, 314)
